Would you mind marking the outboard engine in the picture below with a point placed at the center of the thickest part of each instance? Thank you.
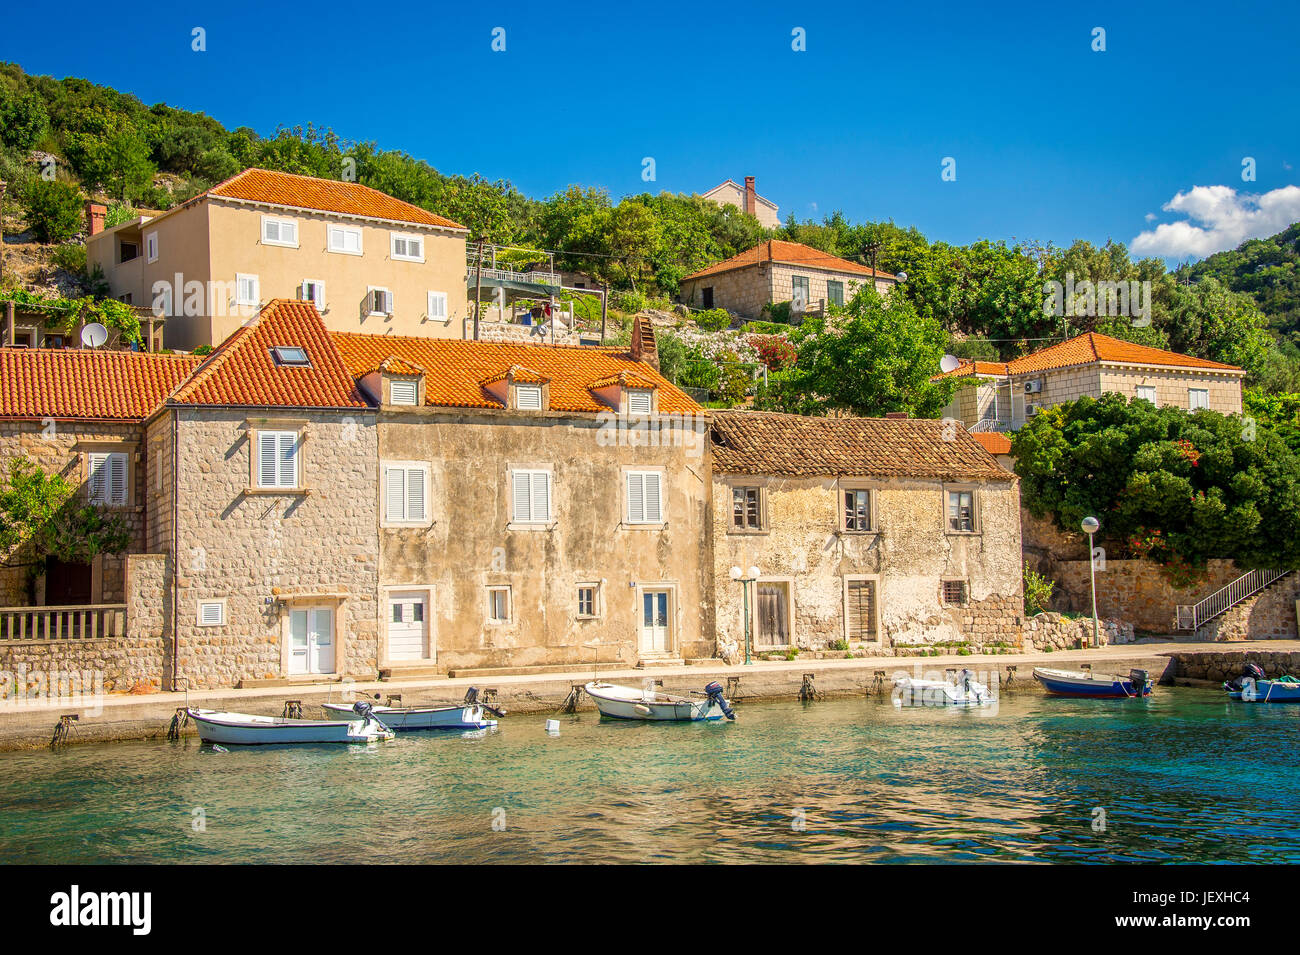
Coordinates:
(1138, 679)
(364, 710)
(1250, 673)
(714, 691)
(472, 699)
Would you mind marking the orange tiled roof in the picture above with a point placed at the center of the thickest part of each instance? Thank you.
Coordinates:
(788, 253)
(242, 372)
(1093, 346)
(325, 195)
(396, 366)
(972, 369)
(994, 442)
(68, 383)
(628, 379)
(761, 442)
(456, 370)
(519, 373)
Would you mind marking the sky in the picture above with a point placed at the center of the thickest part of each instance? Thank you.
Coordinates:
(1148, 141)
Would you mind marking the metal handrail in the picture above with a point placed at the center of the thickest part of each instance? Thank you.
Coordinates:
(1225, 598)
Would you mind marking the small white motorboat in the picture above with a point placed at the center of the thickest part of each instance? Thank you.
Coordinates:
(244, 729)
(632, 703)
(964, 690)
(445, 716)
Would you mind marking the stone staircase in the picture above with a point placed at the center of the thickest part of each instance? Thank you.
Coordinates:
(1227, 613)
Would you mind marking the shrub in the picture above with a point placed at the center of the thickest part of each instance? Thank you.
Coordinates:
(1038, 591)
(628, 301)
(53, 210)
(713, 319)
(71, 258)
(774, 351)
(777, 312)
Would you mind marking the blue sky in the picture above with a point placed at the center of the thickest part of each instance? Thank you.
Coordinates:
(1052, 140)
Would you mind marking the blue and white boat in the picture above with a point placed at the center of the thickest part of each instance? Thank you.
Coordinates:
(1097, 685)
(617, 702)
(1254, 687)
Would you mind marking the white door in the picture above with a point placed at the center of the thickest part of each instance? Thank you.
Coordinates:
(311, 641)
(654, 621)
(407, 627)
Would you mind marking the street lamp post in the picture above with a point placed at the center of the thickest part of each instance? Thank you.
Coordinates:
(1090, 526)
(739, 577)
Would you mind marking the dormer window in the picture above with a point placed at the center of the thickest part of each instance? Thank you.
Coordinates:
(290, 356)
(638, 401)
(403, 391)
(528, 397)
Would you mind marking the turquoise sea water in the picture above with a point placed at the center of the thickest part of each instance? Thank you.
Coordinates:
(1183, 776)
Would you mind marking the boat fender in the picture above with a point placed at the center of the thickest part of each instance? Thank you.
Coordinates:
(714, 691)
(642, 709)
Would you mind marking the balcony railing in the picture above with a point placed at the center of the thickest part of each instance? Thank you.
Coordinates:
(505, 275)
(81, 622)
(1225, 598)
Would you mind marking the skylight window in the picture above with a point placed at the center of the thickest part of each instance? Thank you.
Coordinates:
(290, 355)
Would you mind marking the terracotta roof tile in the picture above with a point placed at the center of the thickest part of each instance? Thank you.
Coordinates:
(242, 371)
(994, 442)
(68, 383)
(1093, 346)
(519, 373)
(324, 195)
(972, 369)
(456, 370)
(628, 379)
(788, 253)
(759, 442)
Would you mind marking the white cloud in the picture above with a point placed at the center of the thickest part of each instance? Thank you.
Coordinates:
(1218, 218)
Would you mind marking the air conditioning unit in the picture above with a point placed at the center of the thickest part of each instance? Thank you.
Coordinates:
(1032, 409)
(1033, 386)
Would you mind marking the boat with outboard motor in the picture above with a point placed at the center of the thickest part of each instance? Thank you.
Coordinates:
(962, 690)
(1098, 685)
(245, 729)
(465, 715)
(631, 703)
(1254, 687)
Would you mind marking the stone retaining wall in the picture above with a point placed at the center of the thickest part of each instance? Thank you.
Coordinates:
(1057, 632)
(1224, 665)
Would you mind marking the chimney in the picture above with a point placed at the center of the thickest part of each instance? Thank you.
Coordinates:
(750, 205)
(895, 414)
(644, 347)
(95, 213)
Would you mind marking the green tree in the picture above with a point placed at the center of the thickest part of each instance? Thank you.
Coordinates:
(54, 210)
(42, 517)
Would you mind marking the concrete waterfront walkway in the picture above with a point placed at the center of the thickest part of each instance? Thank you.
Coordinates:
(26, 725)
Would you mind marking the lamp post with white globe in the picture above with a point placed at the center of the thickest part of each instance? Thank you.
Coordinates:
(1090, 526)
(739, 577)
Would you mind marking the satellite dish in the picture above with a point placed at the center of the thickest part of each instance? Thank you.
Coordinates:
(949, 363)
(902, 276)
(94, 335)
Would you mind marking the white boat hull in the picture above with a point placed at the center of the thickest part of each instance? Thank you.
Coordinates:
(909, 691)
(628, 703)
(243, 729)
(408, 718)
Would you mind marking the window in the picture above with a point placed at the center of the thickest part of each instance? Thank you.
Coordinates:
(403, 391)
(277, 459)
(1198, 398)
(408, 248)
(437, 306)
(857, 509)
(638, 401)
(587, 606)
(344, 239)
(279, 231)
(954, 593)
(313, 290)
(643, 500)
(530, 495)
(961, 511)
(834, 292)
(860, 609)
(151, 247)
(405, 493)
(128, 251)
(528, 397)
(1147, 393)
(212, 613)
(291, 355)
(246, 290)
(746, 508)
(106, 478)
(799, 289)
(379, 301)
(498, 605)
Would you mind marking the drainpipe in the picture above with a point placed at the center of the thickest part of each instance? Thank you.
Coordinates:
(176, 552)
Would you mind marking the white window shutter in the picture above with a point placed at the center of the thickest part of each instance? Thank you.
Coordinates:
(288, 459)
(541, 497)
(635, 499)
(117, 479)
(415, 494)
(266, 470)
(653, 511)
(96, 477)
(394, 492)
(520, 496)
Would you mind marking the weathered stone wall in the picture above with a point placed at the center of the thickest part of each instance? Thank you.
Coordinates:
(909, 556)
(266, 553)
(782, 289)
(471, 544)
(1269, 615)
(1224, 665)
(1172, 386)
(61, 447)
(1056, 632)
(744, 291)
(1134, 591)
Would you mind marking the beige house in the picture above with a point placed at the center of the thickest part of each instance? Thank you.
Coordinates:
(369, 262)
(882, 533)
(1000, 396)
(777, 271)
(746, 199)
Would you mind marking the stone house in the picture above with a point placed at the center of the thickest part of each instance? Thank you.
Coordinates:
(747, 199)
(1000, 396)
(369, 262)
(777, 271)
(878, 532)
